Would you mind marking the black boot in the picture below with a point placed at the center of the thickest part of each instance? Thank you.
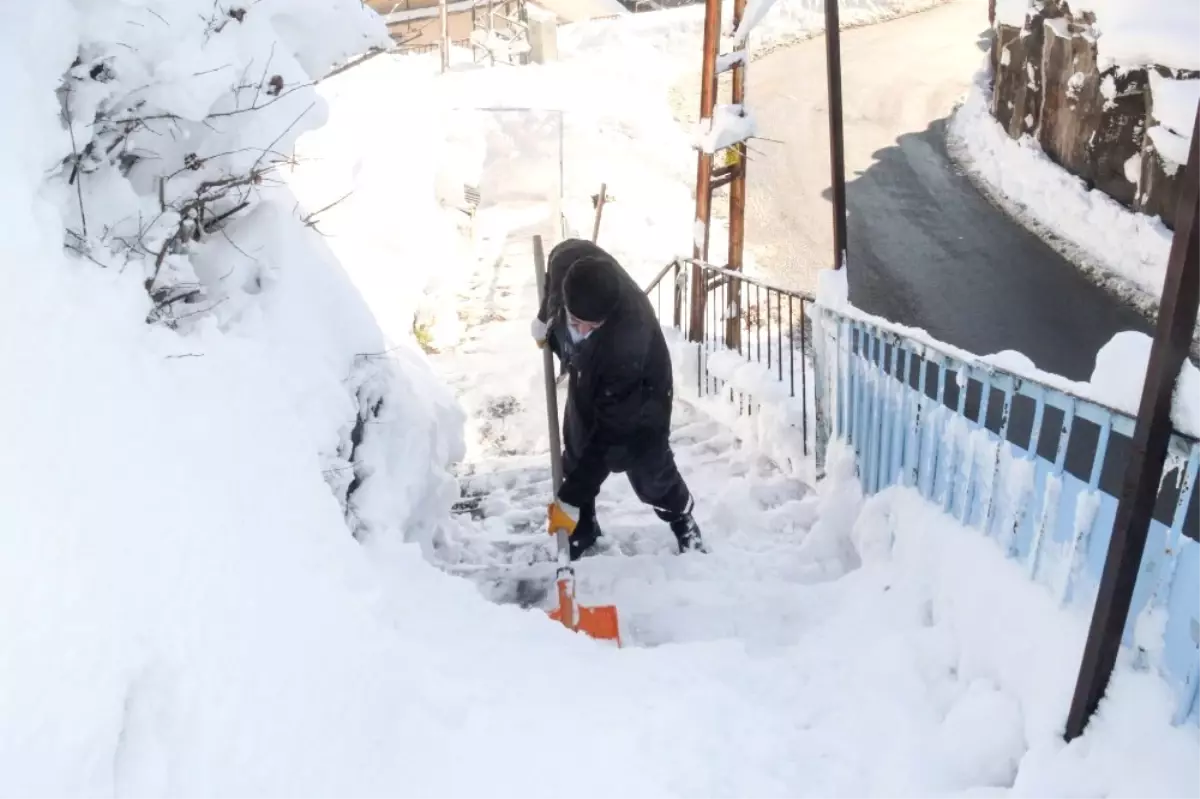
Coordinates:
(687, 534)
(584, 538)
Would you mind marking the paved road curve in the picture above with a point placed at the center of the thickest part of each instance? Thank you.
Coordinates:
(925, 247)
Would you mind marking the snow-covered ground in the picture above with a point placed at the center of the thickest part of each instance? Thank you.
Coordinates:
(185, 608)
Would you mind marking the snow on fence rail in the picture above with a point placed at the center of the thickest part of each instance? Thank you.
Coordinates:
(1029, 464)
(753, 356)
(1032, 466)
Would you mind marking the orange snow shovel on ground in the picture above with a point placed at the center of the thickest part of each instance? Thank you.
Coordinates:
(599, 621)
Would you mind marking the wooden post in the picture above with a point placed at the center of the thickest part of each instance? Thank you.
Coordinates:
(737, 201)
(599, 211)
(445, 20)
(837, 160)
(1144, 469)
(708, 95)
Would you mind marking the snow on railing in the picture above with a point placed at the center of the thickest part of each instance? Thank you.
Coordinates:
(753, 357)
(1028, 463)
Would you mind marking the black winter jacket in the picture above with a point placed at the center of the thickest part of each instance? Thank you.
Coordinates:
(620, 390)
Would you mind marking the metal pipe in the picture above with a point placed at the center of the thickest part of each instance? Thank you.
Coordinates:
(720, 270)
(779, 331)
(837, 159)
(1143, 473)
(758, 321)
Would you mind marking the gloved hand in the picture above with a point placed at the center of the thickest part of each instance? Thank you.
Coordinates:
(561, 516)
(539, 330)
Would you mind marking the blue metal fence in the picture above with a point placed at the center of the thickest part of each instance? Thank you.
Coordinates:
(1032, 466)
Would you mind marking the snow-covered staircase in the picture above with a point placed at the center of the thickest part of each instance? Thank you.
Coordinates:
(754, 517)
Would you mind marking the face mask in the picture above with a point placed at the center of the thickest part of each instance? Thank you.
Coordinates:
(576, 336)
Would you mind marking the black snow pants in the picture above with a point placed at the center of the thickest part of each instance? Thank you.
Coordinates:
(652, 474)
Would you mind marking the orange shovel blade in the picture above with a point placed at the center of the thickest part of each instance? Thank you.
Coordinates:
(598, 622)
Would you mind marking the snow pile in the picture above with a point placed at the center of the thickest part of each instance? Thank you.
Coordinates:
(1012, 12)
(1174, 105)
(1135, 33)
(730, 125)
(196, 387)
(1014, 663)
(417, 240)
(1130, 33)
(1124, 249)
(1118, 378)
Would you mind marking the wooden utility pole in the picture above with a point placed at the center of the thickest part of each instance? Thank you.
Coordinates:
(704, 162)
(1144, 469)
(731, 173)
(737, 196)
(837, 158)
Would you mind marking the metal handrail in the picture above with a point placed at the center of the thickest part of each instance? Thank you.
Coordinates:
(742, 276)
(662, 273)
(735, 318)
(897, 334)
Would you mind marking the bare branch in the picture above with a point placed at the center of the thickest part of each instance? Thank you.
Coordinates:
(75, 157)
(311, 219)
(266, 68)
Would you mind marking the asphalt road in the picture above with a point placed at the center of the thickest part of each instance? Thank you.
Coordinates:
(926, 248)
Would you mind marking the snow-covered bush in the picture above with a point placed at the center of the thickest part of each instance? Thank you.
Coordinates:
(179, 118)
(179, 115)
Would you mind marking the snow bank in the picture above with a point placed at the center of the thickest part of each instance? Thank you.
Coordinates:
(1012, 12)
(407, 247)
(1126, 250)
(767, 24)
(196, 384)
(1014, 653)
(1130, 33)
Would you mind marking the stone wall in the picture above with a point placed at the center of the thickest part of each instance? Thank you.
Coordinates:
(1048, 84)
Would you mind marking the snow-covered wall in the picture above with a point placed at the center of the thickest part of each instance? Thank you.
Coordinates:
(192, 387)
(1107, 88)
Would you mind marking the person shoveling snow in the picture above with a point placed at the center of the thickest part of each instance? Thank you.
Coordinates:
(597, 320)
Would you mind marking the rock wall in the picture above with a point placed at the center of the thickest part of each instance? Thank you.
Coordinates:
(1093, 122)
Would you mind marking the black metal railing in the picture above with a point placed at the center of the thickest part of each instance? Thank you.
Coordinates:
(762, 323)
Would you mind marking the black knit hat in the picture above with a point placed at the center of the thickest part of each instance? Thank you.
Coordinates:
(591, 289)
